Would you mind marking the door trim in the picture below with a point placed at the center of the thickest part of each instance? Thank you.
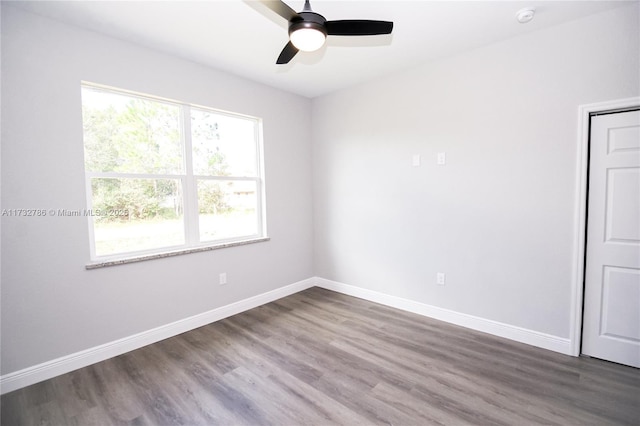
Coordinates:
(580, 214)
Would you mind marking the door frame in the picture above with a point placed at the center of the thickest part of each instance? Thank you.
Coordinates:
(580, 219)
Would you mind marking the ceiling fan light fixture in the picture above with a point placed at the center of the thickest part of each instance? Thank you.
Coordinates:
(308, 39)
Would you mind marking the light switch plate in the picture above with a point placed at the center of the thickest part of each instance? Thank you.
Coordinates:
(415, 160)
(442, 158)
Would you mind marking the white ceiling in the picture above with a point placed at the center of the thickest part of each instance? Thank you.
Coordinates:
(245, 37)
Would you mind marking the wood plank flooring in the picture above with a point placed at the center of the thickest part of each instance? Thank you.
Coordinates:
(321, 358)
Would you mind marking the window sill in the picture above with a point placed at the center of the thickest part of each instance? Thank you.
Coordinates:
(97, 265)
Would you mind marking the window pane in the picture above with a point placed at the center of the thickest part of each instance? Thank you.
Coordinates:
(136, 214)
(136, 153)
(223, 145)
(130, 135)
(227, 209)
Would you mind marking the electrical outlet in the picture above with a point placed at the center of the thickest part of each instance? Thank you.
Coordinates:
(442, 158)
(440, 278)
(223, 278)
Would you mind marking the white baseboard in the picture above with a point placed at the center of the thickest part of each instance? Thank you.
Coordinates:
(65, 364)
(519, 334)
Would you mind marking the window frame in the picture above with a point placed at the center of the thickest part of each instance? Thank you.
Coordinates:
(189, 182)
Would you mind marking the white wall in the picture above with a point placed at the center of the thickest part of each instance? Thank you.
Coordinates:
(52, 306)
(499, 218)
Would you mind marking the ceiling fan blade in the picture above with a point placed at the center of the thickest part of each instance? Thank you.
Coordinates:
(358, 27)
(287, 54)
(281, 8)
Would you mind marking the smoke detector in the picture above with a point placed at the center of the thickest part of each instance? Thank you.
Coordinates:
(525, 15)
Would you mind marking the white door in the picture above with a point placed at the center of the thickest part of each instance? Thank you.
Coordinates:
(611, 324)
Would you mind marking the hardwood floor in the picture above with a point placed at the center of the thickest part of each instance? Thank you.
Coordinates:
(319, 357)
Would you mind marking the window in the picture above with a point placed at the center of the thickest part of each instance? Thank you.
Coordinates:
(163, 176)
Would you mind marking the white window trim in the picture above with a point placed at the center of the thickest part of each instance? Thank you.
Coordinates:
(189, 185)
(152, 256)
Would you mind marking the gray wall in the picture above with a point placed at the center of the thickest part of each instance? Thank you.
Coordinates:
(499, 218)
(52, 306)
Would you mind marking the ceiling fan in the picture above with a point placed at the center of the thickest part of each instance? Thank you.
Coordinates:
(308, 30)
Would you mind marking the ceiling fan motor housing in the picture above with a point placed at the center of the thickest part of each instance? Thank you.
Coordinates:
(310, 20)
